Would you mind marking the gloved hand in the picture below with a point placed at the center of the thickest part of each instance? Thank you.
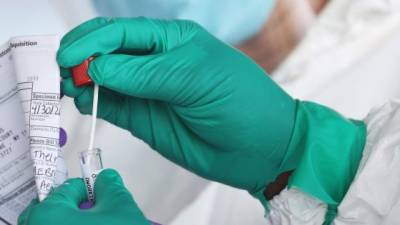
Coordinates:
(209, 108)
(197, 101)
(114, 204)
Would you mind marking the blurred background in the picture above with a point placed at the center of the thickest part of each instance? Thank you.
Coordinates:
(341, 53)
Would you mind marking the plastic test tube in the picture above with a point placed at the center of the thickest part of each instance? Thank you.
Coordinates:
(90, 159)
(91, 165)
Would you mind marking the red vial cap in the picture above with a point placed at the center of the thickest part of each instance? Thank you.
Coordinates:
(80, 74)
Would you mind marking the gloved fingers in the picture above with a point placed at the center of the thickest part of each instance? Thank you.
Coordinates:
(65, 72)
(22, 219)
(109, 187)
(114, 107)
(84, 101)
(120, 73)
(150, 77)
(136, 36)
(71, 193)
(111, 107)
(68, 88)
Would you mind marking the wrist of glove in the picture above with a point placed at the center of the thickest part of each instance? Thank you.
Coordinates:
(114, 204)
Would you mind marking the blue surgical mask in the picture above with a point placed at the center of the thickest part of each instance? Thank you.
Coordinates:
(232, 21)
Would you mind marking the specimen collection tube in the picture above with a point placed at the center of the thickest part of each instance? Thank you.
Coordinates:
(91, 165)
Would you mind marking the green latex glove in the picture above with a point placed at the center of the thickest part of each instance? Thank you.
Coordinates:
(209, 108)
(197, 101)
(114, 204)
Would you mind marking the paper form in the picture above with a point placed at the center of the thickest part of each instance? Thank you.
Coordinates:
(38, 80)
(17, 184)
(29, 123)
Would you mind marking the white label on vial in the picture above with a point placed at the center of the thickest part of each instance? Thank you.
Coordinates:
(89, 177)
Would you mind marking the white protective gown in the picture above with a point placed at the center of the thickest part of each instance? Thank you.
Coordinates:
(347, 62)
(373, 197)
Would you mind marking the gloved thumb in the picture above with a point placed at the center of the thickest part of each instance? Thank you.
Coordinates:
(109, 187)
(111, 195)
(71, 193)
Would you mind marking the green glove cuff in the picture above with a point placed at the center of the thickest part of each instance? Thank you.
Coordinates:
(324, 151)
(330, 147)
